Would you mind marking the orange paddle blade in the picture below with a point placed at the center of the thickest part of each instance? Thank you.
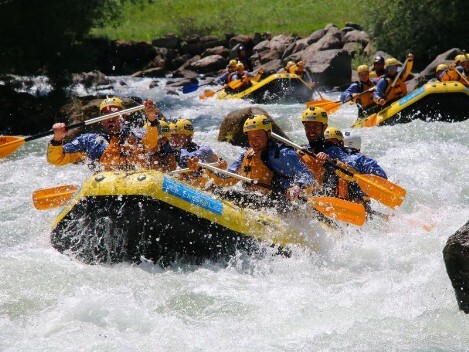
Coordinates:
(8, 144)
(382, 190)
(207, 94)
(339, 209)
(236, 84)
(54, 197)
(319, 103)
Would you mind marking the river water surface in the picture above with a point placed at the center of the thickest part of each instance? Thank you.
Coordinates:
(381, 287)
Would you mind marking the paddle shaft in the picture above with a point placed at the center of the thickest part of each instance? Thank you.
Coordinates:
(88, 122)
(399, 74)
(303, 149)
(232, 174)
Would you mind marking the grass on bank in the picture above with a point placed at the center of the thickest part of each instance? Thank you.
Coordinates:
(184, 17)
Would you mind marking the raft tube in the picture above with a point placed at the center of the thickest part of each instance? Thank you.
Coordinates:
(434, 101)
(121, 216)
(281, 87)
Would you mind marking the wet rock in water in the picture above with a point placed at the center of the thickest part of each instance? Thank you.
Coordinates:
(456, 256)
(231, 129)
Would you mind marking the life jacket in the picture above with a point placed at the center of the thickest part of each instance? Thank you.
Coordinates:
(123, 154)
(366, 99)
(230, 76)
(325, 180)
(254, 167)
(396, 92)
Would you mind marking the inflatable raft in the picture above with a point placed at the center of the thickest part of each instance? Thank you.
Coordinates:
(121, 216)
(282, 87)
(434, 101)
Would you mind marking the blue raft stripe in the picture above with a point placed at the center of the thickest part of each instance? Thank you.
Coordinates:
(192, 196)
(412, 95)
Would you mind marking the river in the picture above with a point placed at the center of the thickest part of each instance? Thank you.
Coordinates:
(380, 287)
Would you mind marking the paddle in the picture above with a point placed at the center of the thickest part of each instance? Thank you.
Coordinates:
(376, 187)
(8, 144)
(335, 208)
(209, 93)
(49, 198)
(333, 106)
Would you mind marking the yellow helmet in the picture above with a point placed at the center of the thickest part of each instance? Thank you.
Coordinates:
(239, 65)
(363, 68)
(441, 67)
(290, 64)
(232, 63)
(257, 122)
(391, 62)
(463, 58)
(314, 113)
(373, 74)
(108, 102)
(164, 129)
(332, 132)
(182, 126)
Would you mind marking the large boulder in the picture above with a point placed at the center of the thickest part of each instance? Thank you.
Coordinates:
(231, 129)
(330, 68)
(211, 63)
(456, 256)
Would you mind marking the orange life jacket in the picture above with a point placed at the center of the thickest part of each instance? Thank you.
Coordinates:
(396, 92)
(253, 167)
(316, 168)
(124, 154)
(366, 99)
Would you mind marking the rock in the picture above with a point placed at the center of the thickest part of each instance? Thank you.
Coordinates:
(444, 58)
(356, 37)
(331, 68)
(212, 63)
(170, 41)
(218, 50)
(88, 79)
(456, 256)
(231, 129)
(151, 72)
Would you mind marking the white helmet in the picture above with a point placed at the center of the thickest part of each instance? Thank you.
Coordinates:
(352, 141)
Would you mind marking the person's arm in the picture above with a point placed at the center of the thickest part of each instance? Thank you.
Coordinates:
(348, 94)
(150, 138)
(58, 154)
(408, 67)
(379, 95)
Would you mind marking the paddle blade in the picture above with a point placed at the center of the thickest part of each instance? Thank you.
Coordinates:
(236, 84)
(339, 209)
(8, 144)
(382, 190)
(332, 107)
(319, 103)
(54, 197)
(207, 94)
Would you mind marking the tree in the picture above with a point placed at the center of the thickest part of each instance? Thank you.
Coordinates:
(49, 37)
(425, 28)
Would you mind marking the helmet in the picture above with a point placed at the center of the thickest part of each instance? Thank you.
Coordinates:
(257, 122)
(300, 63)
(239, 65)
(233, 62)
(184, 127)
(164, 128)
(172, 127)
(314, 113)
(290, 64)
(363, 68)
(373, 74)
(241, 48)
(390, 62)
(441, 67)
(354, 141)
(108, 102)
(332, 132)
(463, 58)
(378, 59)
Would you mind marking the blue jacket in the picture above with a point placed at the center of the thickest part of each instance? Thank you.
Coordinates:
(94, 144)
(355, 87)
(286, 165)
(364, 164)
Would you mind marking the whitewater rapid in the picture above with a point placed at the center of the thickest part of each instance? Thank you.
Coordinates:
(381, 287)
